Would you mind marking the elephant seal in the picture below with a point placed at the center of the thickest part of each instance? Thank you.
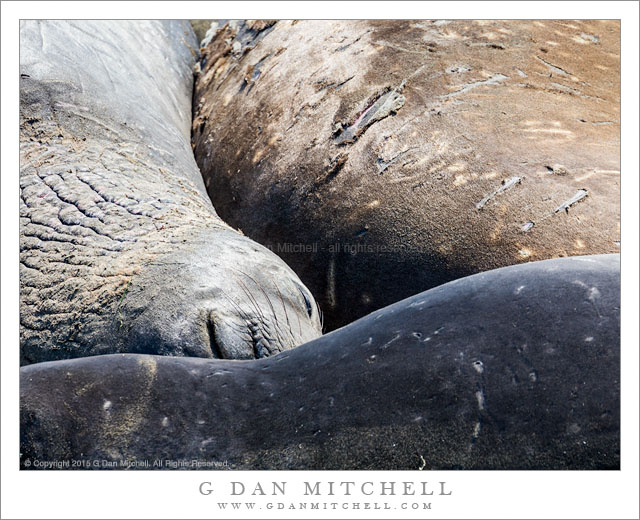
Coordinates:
(120, 247)
(382, 158)
(517, 368)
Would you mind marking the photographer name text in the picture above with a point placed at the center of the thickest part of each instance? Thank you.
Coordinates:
(329, 488)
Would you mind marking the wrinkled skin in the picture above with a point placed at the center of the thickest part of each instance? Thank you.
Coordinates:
(517, 368)
(426, 150)
(121, 249)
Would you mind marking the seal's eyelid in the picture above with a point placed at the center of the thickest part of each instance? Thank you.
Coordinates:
(307, 302)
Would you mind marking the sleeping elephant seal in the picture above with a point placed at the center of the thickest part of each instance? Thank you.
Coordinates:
(121, 250)
(382, 158)
(516, 368)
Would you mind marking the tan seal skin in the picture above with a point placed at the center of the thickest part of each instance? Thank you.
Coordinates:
(433, 149)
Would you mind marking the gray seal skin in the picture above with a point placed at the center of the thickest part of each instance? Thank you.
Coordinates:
(517, 368)
(411, 152)
(120, 247)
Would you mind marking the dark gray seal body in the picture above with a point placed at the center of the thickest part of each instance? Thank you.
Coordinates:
(516, 368)
(121, 249)
(412, 152)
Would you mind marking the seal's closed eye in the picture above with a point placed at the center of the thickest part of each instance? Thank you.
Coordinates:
(307, 302)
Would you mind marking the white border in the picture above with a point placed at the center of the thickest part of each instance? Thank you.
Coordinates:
(175, 495)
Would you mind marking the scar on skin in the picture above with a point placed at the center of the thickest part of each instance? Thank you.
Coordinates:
(388, 103)
(506, 184)
(579, 196)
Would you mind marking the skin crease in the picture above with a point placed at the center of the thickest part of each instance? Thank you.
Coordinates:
(121, 249)
(411, 153)
(516, 368)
